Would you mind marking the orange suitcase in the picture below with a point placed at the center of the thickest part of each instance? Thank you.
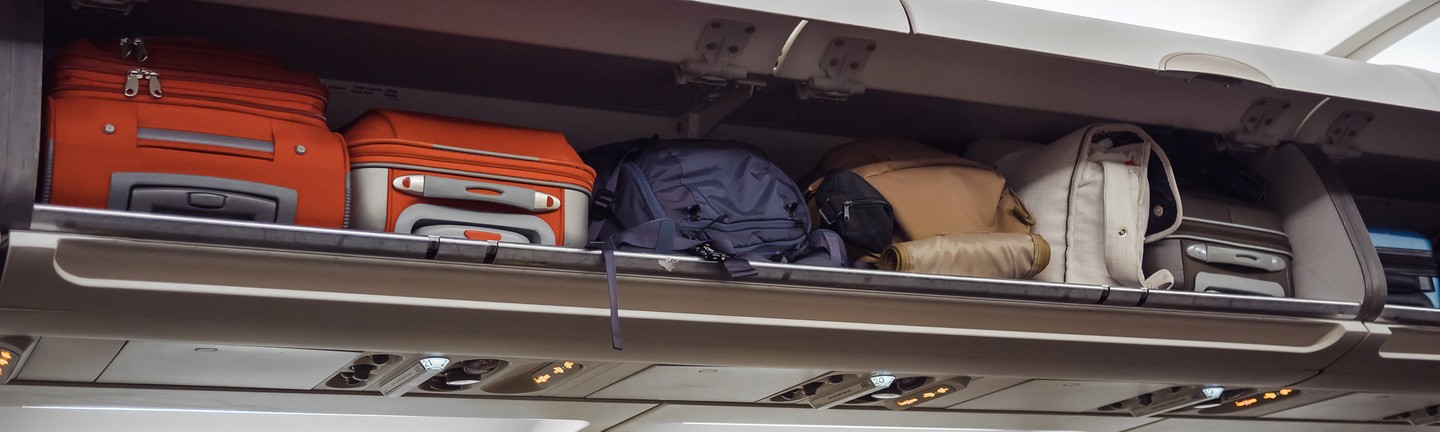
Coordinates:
(188, 127)
(432, 175)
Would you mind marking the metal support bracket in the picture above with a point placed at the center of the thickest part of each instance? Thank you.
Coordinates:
(1256, 126)
(843, 60)
(720, 42)
(1343, 133)
(705, 116)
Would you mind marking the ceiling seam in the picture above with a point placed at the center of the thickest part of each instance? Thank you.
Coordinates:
(1368, 41)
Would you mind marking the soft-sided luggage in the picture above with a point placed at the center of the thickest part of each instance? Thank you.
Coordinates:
(910, 207)
(720, 200)
(1410, 269)
(1225, 246)
(189, 127)
(433, 175)
(1098, 195)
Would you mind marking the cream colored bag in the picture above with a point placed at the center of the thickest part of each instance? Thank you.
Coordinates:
(1090, 195)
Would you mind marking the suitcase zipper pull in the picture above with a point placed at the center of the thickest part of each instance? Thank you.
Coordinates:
(132, 82)
(126, 48)
(140, 54)
(154, 78)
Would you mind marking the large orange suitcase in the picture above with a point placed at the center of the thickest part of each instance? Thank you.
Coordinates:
(189, 127)
(432, 175)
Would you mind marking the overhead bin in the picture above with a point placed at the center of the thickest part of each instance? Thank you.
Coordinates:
(98, 274)
(539, 302)
(1395, 356)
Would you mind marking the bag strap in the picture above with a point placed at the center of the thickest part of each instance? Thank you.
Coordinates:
(1122, 231)
(663, 236)
(1124, 236)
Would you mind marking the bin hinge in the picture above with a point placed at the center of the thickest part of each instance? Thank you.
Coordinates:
(700, 119)
(720, 43)
(843, 60)
(1340, 139)
(122, 7)
(1257, 126)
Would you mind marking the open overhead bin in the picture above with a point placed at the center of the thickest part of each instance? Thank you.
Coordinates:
(607, 71)
(412, 294)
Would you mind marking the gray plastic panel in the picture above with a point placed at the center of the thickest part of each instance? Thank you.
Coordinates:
(202, 364)
(21, 54)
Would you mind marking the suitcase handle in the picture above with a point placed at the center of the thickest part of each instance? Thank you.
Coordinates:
(202, 196)
(470, 190)
(1235, 256)
(1227, 284)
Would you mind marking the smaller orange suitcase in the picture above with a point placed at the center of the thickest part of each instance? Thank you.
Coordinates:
(432, 175)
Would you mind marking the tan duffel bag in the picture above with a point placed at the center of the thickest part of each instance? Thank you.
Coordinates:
(910, 207)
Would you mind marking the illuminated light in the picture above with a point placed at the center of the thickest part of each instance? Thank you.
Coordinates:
(1285, 392)
(1246, 402)
(1271, 395)
(4, 362)
(5, 354)
(569, 365)
(558, 370)
(542, 379)
(908, 402)
(928, 395)
(942, 390)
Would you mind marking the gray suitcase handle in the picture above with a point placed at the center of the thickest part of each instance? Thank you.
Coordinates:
(448, 188)
(1235, 256)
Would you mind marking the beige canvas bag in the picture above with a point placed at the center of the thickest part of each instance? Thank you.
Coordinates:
(952, 216)
(1090, 195)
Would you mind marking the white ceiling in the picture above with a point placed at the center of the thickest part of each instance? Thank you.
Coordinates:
(1312, 26)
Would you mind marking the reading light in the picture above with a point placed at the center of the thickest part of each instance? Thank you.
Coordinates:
(12, 356)
(928, 394)
(555, 372)
(412, 376)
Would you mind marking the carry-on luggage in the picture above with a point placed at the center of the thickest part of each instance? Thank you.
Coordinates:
(188, 127)
(1410, 268)
(715, 199)
(1225, 246)
(1098, 195)
(433, 175)
(910, 207)
(723, 201)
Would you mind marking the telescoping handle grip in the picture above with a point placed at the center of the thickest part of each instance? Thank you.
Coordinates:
(1235, 256)
(471, 190)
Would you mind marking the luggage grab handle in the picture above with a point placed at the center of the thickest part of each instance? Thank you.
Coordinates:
(1234, 256)
(448, 188)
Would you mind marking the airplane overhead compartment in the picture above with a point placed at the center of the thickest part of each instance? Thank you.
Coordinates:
(540, 302)
(604, 71)
(1398, 355)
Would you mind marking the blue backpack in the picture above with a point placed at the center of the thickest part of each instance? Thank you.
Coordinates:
(723, 201)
